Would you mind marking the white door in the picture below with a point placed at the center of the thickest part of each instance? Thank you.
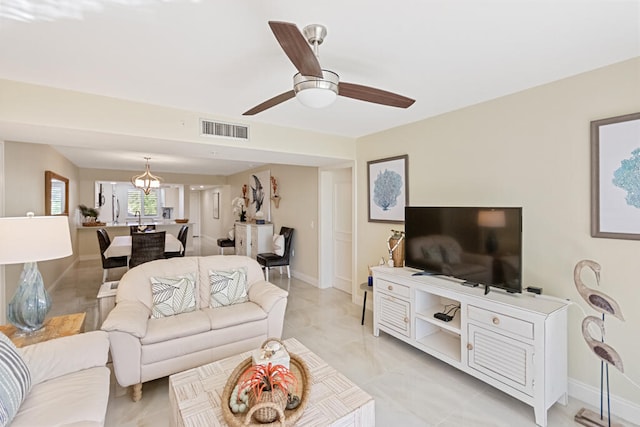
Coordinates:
(342, 230)
(194, 212)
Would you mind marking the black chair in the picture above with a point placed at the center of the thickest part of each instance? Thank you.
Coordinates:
(146, 247)
(225, 243)
(182, 236)
(104, 240)
(141, 229)
(269, 259)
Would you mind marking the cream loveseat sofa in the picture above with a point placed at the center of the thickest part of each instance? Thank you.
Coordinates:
(144, 348)
(70, 382)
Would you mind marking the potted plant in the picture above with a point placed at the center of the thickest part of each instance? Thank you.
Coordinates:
(267, 383)
(89, 214)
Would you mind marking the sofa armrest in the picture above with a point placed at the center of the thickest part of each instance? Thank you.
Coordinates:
(62, 356)
(266, 294)
(131, 317)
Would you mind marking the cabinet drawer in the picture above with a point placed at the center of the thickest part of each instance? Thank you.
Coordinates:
(392, 288)
(501, 322)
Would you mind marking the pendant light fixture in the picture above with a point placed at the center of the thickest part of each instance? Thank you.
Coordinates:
(146, 182)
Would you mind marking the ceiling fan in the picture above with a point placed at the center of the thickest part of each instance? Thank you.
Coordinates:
(313, 86)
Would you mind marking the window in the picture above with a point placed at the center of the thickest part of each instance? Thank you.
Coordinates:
(137, 201)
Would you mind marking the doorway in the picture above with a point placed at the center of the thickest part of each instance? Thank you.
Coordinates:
(194, 212)
(336, 229)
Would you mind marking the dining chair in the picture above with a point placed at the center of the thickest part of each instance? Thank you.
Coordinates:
(270, 259)
(182, 236)
(104, 240)
(146, 247)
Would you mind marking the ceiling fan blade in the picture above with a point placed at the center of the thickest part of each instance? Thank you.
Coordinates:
(278, 99)
(296, 47)
(370, 94)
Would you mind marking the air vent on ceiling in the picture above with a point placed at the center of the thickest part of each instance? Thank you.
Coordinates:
(223, 130)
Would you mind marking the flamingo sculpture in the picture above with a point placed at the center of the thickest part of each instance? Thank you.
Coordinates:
(604, 351)
(604, 304)
(600, 301)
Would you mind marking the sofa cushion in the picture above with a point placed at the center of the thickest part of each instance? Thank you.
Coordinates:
(180, 325)
(15, 380)
(79, 398)
(228, 287)
(224, 263)
(232, 315)
(173, 295)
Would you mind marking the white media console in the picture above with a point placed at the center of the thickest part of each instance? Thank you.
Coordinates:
(514, 342)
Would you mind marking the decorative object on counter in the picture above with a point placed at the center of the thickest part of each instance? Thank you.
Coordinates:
(604, 304)
(28, 240)
(239, 205)
(89, 216)
(388, 189)
(275, 196)
(259, 217)
(395, 245)
(146, 181)
(182, 221)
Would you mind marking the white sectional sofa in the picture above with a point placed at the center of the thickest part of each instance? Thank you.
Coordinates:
(144, 348)
(70, 382)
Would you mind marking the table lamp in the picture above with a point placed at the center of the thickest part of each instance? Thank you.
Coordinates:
(27, 240)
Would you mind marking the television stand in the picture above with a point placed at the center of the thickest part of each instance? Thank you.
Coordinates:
(517, 343)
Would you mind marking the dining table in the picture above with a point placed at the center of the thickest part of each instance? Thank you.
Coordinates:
(121, 246)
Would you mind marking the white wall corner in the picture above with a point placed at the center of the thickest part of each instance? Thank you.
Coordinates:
(620, 408)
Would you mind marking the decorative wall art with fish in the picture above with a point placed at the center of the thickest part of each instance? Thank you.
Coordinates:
(260, 194)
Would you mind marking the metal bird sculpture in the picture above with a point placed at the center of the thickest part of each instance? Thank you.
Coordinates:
(258, 193)
(600, 301)
(604, 351)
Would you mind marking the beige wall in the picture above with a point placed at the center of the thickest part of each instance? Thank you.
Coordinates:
(24, 191)
(530, 149)
(298, 188)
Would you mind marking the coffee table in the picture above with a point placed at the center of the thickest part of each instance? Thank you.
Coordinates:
(195, 395)
(54, 327)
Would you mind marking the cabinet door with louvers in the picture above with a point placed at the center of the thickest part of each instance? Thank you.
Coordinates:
(502, 358)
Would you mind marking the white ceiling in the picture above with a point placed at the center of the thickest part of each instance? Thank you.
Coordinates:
(220, 58)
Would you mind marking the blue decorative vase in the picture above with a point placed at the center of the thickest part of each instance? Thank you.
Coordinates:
(31, 302)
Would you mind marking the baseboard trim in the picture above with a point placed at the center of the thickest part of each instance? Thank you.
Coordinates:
(620, 408)
(313, 281)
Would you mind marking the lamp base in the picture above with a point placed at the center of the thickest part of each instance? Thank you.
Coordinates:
(587, 417)
(31, 302)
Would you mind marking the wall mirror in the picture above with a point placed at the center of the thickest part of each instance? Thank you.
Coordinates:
(56, 194)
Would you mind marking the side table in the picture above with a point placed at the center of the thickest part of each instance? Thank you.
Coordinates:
(365, 287)
(106, 299)
(54, 327)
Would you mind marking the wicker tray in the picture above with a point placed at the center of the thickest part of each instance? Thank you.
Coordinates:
(94, 224)
(297, 366)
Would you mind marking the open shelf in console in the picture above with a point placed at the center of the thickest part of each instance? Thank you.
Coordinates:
(428, 304)
(438, 341)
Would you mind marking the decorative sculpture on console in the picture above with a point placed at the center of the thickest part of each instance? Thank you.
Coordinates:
(604, 304)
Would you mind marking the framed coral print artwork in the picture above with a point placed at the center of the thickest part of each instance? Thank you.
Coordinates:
(615, 177)
(388, 189)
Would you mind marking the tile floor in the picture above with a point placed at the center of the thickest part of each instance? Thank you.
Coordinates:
(410, 388)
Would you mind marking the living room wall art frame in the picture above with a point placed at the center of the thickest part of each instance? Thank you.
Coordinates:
(216, 205)
(388, 189)
(615, 177)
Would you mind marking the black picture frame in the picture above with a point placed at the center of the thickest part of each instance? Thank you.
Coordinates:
(387, 189)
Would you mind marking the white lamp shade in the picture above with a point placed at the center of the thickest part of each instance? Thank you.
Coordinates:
(316, 97)
(36, 238)
(492, 219)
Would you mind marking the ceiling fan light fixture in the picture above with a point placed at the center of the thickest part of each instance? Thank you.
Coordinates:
(315, 92)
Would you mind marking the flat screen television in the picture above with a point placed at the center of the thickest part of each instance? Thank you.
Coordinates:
(478, 245)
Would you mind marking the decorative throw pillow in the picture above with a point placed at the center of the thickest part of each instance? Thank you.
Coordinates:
(278, 244)
(228, 287)
(15, 380)
(232, 234)
(173, 295)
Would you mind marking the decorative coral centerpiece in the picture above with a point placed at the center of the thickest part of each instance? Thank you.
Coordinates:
(267, 385)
